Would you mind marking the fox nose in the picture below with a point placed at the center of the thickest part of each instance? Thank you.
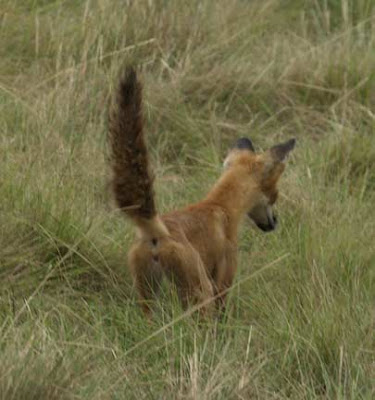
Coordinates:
(271, 224)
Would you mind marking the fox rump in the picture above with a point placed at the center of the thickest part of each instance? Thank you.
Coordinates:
(195, 247)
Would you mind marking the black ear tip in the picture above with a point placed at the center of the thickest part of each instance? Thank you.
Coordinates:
(292, 142)
(289, 144)
(281, 151)
(244, 143)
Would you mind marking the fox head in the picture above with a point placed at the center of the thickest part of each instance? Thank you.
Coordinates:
(261, 171)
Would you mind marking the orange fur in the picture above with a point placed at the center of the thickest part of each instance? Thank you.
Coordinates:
(195, 247)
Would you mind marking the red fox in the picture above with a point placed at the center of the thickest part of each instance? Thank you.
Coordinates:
(195, 247)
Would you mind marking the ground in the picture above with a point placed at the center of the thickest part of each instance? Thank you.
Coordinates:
(301, 317)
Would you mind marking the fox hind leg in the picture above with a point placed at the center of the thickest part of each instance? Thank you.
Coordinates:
(147, 276)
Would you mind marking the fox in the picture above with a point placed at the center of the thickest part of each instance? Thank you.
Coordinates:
(194, 247)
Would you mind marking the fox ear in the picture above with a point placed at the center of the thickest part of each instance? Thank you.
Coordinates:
(275, 159)
(280, 152)
(244, 144)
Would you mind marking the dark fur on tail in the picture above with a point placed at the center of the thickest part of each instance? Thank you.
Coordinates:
(132, 181)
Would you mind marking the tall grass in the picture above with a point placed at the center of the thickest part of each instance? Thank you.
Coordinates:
(300, 321)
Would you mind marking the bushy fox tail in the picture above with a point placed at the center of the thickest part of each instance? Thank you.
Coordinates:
(132, 179)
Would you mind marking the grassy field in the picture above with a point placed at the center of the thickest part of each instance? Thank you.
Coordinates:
(301, 316)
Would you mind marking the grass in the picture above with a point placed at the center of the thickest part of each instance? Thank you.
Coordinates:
(300, 322)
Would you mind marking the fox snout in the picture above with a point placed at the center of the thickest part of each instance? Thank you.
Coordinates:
(264, 218)
(269, 226)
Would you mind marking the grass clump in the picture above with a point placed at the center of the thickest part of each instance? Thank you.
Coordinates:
(300, 319)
